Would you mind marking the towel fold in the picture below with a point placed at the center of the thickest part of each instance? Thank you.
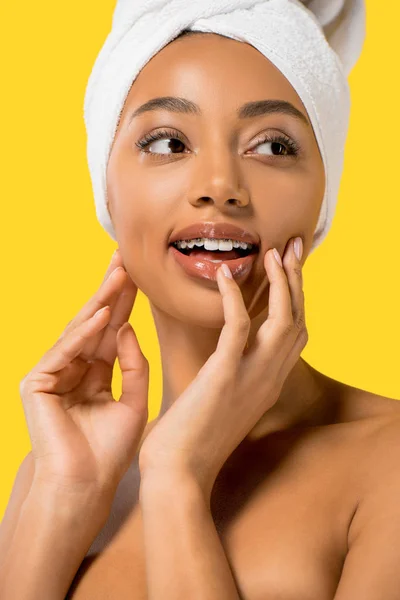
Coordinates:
(314, 43)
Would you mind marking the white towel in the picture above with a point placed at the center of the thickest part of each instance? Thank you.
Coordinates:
(314, 43)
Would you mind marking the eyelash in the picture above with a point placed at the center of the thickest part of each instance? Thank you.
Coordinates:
(292, 146)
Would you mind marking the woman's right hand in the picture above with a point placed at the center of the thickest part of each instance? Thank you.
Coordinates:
(83, 441)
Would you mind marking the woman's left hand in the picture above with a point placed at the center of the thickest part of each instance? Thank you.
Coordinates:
(232, 390)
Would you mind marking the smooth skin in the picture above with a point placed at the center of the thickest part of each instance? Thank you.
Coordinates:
(232, 390)
(72, 419)
(220, 172)
(274, 486)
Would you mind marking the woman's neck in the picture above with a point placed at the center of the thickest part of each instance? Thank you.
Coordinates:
(184, 350)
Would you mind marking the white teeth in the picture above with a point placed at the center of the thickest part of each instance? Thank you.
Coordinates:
(213, 244)
(225, 245)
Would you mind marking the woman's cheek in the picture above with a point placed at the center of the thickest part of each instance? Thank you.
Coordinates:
(303, 199)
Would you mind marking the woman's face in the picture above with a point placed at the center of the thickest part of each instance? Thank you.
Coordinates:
(211, 166)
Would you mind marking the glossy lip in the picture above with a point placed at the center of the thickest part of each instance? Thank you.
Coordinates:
(215, 230)
(206, 269)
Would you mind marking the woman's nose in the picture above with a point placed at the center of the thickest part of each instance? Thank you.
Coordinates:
(218, 180)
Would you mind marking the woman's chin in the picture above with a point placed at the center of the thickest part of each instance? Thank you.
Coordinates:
(202, 309)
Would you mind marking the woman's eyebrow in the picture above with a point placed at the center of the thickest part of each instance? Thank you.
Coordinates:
(246, 111)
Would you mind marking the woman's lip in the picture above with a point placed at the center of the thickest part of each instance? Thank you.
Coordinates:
(205, 269)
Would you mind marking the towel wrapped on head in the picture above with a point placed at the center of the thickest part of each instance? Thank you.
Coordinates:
(314, 43)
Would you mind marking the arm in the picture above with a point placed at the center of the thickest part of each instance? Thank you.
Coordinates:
(21, 487)
(183, 553)
(51, 537)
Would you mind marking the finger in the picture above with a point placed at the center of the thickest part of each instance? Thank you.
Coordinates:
(293, 356)
(234, 333)
(293, 269)
(101, 297)
(106, 350)
(93, 343)
(105, 296)
(294, 274)
(276, 332)
(70, 346)
(135, 371)
(94, 376)
(102, 347)
(116, 261)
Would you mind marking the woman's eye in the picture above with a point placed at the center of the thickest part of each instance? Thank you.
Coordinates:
(165, 146)
(273, 148)
(278, 146)
(172, 144)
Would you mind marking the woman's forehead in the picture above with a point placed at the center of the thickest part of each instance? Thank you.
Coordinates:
(213, 70)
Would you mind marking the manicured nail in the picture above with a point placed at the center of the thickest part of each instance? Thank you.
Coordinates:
(99, 312)
(298, 247)
(226, 270)
(114, 272)
(278, 258)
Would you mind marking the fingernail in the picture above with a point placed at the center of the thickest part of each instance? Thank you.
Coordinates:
(114, 271)
(99, 312)
(278, 258)
(226, 270)
(298, 247)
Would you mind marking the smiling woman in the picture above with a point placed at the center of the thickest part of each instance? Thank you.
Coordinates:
(222, 146)
(219, 160)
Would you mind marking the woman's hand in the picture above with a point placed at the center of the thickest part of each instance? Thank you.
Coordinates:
(82, 439)
(233, 389)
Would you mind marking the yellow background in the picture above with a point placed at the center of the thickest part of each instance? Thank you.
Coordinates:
(55, 252)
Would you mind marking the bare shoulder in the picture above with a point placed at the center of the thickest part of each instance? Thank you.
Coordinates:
(374, 422)
(359, 439)
(381, 442)
(358, 404)
(373, 533)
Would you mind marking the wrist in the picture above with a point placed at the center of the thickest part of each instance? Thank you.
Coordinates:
(171, 484)
(83, 505)
(59, 528)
